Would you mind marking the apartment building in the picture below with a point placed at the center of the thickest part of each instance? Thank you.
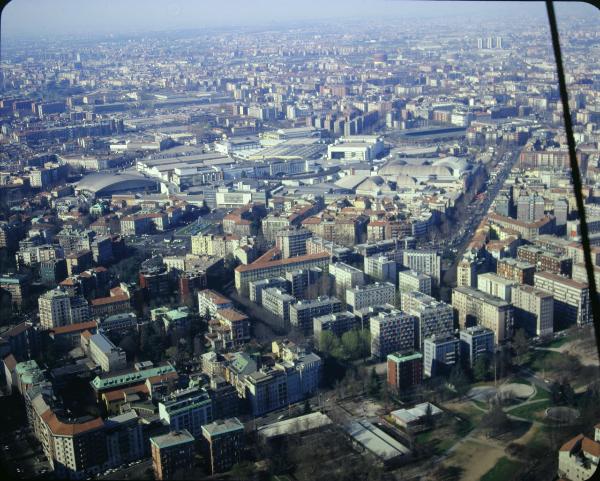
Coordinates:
(381, 268)
(434, 318)
(225, 441)
(474, 307)
(414, 281)
(495, 285)
(376, 294)
(172, 454)
(391, 330)
(256, 288)
(534, 310)
(345, 277)
(187, 409)
(103, 352)
(292, 241)
(337, 323)
(425, 262)
(278, 302)
(571, 299)
(264, 269)
(404, 370)
(303, 312)
(475, 342)
(209, 302)
(440, 354)
(518, 271)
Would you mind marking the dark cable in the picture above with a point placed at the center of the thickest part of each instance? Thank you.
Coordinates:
(575, 173)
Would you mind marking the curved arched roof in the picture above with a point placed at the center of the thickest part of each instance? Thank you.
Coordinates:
(111, 183)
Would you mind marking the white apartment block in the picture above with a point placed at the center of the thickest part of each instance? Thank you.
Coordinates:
(346, 276)
(376, 294)
(103, 352)
(414, 281)
(479, 308)
(278, 302)
(381, 268)
(424, 261)
(495, 285)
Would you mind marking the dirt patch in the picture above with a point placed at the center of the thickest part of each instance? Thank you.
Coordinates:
(585, 351)
(476, 457)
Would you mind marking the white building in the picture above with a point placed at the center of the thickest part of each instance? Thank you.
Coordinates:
(414, 281)
(376, 294)
(424, 261)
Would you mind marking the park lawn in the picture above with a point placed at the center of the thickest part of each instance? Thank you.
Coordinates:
(541, 394)
(471, 418)
(532, 412)
(504, 469)
(557, 342)
(481, 404)
(520, 380)
(541, 359)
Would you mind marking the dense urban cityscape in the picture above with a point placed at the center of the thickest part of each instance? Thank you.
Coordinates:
(311, 251)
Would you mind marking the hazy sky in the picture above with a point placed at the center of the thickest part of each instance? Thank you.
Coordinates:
(47, 17)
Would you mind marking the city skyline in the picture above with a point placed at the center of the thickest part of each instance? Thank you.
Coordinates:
(137, 16)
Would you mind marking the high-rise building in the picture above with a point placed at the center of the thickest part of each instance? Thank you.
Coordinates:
(495, 285)
(440, 353)
(186, 409)
(433, 317)
(404, 370)
(480, 43)
(57, 309)
(424, 261)
(498, 42)
(292, 241)
(224, 440)
(381, 268)
(478, 308)
(391, 331)
(489, 42)
(475, 342)
(346, 277)
(414, 281)
(534, 310)
(530, 208)
(172, 454)
(571, 299)
(376, 294)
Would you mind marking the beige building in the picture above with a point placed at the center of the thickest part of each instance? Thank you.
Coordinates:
(578, 458)
(478, 308)
(264, 268)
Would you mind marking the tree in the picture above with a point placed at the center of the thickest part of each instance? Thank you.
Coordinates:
(520, 344)
(328, 343)
(428, 419)
(495, 421)
(351, 344)
(374, 385)
(458, 380)
(481, 368)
